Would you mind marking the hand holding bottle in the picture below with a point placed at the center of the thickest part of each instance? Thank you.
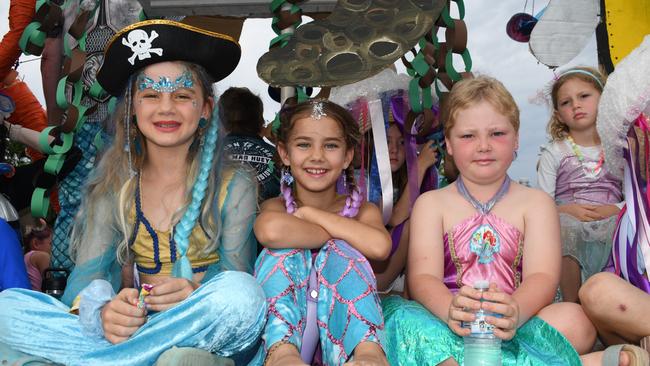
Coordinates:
(503, 304)
(462, 309)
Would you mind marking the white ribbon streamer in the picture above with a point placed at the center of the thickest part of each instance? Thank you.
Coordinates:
(383, 159)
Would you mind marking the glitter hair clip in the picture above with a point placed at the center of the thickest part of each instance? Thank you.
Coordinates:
(317, 111)
(165, 84)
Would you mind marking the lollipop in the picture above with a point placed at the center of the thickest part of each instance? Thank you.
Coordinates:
(144, 292)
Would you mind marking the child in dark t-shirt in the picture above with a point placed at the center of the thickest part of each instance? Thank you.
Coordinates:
(241, 112)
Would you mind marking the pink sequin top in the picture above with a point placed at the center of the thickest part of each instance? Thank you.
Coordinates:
(483, 247)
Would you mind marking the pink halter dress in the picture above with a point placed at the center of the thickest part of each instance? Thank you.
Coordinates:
(483, 246)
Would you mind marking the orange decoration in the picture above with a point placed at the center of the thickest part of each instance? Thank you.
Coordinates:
(29, 112)
(21, 13)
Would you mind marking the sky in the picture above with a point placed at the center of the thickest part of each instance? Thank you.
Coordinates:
(493, 53)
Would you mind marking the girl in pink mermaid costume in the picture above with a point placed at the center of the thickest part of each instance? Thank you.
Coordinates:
(316, 244)
(484, 227)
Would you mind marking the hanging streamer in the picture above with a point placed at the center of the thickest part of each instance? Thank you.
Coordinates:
(383, 159)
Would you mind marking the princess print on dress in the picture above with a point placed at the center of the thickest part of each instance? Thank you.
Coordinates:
(485, 243)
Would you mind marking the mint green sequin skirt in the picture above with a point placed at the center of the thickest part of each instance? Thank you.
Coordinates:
(416, 337)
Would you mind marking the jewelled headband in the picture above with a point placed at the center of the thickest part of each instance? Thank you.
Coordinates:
(584, 72)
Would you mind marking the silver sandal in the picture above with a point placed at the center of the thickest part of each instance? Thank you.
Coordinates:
(638, 356)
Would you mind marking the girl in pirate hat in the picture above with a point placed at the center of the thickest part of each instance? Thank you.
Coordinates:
(160, 207)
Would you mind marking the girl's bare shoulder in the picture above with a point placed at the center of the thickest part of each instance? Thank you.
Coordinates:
(369, 213)
(530, 197)
(273, 204)
(438, 198)
(369, 207)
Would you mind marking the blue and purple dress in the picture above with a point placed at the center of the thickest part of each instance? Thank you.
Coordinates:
(348, 309)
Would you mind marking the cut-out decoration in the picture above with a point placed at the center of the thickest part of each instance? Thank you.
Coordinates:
(356, 41)
(520, 26)
(564, 30)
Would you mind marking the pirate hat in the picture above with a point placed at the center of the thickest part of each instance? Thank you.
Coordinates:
(157, 40)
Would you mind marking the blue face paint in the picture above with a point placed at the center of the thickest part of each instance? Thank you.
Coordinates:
(165, 84)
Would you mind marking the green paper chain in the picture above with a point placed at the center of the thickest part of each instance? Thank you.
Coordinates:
(35, 34)
(420, 98)
(57, 153)
(454, 75)
(282, 38)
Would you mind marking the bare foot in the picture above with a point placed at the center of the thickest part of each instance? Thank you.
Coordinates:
(449, 362)
(596, 359)
(285, 354)
(624, 359)
(368, 354)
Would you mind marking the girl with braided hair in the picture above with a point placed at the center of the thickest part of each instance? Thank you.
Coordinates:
(319, 286)
(161, 201)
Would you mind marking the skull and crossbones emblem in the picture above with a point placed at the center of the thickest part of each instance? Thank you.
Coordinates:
(140, 44)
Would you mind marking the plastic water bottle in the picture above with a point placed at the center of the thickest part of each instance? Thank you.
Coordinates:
(482, 347)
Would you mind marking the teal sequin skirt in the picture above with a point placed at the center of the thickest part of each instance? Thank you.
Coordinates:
(416, 337)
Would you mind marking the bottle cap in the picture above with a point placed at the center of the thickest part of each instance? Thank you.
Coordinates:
(481, 284)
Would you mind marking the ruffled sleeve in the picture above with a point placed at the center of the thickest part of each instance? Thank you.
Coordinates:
(547, 167)
(237, 245)
(95, 257)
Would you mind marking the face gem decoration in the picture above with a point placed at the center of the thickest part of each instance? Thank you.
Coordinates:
(165, 85)
(317, 112)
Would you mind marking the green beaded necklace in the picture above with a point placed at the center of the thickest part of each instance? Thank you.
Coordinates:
(593, 171)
